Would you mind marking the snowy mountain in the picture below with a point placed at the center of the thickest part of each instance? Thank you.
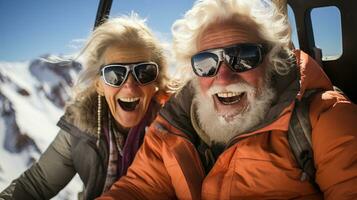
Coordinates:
(32, 97)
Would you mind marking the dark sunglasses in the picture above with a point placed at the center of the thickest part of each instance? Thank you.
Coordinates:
(239, 58)
(116, 74)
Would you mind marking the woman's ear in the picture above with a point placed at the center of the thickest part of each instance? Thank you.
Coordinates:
(99, 87)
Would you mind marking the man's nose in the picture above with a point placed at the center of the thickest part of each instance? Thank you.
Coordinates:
(224, 75)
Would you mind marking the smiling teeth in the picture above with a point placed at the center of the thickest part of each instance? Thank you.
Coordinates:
(228, 94)
(129, 99)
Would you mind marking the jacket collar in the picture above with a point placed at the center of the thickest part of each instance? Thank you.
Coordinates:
(82, 113)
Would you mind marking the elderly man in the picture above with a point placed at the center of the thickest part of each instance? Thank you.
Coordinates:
(224, 135)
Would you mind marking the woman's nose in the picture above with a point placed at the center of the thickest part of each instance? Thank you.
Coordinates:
(130, 81)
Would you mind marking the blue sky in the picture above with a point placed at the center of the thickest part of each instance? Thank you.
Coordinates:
(32, 28)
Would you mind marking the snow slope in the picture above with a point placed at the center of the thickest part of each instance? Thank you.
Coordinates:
(32, 96)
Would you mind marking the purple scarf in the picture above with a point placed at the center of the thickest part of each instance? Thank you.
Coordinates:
(121, 157)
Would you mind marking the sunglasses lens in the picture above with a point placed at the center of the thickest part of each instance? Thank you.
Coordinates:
(204, 64)
(114, 75)
(243, 58)
(146, 73)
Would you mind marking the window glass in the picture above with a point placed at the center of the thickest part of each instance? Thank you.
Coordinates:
(292, 21)
(326, 24)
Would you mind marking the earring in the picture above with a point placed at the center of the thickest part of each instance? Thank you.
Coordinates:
(99, 119)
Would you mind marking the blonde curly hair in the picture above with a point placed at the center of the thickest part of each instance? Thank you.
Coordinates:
(124, 30)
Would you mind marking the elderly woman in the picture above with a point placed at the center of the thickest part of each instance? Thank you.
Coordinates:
(117, 95)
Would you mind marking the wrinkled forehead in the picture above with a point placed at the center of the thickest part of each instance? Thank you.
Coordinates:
(126, 54)
(226, 33)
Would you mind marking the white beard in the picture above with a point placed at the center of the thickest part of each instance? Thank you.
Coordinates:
(221, 129)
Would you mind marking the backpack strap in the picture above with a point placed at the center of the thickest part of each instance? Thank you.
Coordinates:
(299, 137)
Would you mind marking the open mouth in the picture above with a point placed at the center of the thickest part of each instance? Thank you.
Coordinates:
(128, 103)
(229, 98)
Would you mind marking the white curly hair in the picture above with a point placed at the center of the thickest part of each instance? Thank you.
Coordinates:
(273, 28)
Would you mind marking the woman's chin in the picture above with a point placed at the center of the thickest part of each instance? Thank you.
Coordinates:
(128, 119)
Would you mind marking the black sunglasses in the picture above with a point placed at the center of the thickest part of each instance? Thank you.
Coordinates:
(239, 58)
(116, 74)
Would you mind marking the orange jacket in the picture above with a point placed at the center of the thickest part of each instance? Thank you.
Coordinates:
(259, 164)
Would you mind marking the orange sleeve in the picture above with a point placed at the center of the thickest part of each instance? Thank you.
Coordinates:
(147, 177)
(334, 140)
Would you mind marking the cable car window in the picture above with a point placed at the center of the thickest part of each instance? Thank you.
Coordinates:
(326, 25)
